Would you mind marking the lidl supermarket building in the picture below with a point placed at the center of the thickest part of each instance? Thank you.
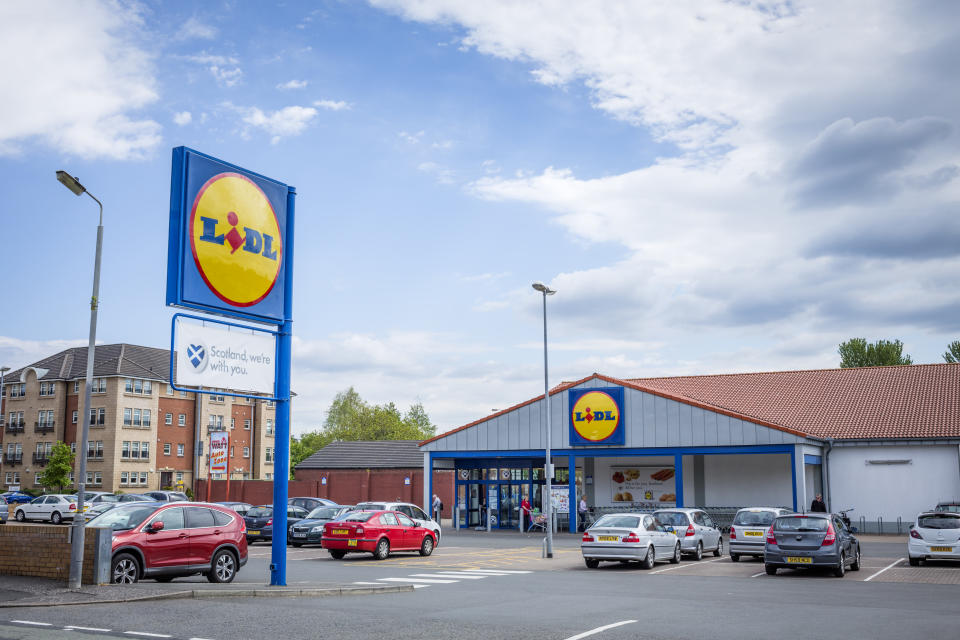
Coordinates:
(884, 440)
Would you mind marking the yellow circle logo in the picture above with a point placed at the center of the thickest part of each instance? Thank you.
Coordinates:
(595, 416)
(235, 239)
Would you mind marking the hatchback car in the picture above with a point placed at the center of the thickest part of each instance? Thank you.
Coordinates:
(136, 497)
(376, 532)
(627, 537)
(934, 536)
(749, 530)
(17, 497)
(167, 496)
(163, 541)
(310, 503)
(694, 528)
(259, 521)
(408, 509)
(952, 506)
(95, 510)
(807, 540)
(310, 529)
(54, 507)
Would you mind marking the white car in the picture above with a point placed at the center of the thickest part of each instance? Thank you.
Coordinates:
(55, 508)
(628, 537)
(934, 536)
(748, 533)
(406, 508)
(695, 530)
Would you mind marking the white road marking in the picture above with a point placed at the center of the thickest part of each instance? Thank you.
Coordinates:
(757, 575)
(420, 586)
(889, 566)
(37, 624)
(199, 638)
(684, 566)
(73, 626)
(412, 580)
(447, 575)
(146, 634)
(366, 583)
(494, 571)
(599, 629)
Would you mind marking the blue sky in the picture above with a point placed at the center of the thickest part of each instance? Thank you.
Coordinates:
(711, 187)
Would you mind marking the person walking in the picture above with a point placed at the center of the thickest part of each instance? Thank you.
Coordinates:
(525, 510)
(582, 511)
(437, 508)
(818, 505)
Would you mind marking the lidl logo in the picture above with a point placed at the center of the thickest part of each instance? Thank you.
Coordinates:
(235, 239)
(595, 416)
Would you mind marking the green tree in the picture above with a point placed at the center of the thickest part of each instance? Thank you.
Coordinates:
(952, 354)
(57, 472)
(857, 352)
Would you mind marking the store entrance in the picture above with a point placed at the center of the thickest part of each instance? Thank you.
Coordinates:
(501, 488)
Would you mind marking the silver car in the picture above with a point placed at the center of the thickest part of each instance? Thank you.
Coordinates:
(934, 536)
(55, 508)
(808, 540)
(749, 530)
(695, 530)
(627, 537)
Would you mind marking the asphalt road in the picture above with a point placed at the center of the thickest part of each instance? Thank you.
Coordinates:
(499, 587)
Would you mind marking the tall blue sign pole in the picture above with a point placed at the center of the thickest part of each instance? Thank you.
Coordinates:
(278, 551)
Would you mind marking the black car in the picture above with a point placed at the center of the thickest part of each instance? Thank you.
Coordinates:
(311, 503)
(310, 529)
(260, 521)
(239, 507)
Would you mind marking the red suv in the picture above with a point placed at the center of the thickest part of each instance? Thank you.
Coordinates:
(166, 540)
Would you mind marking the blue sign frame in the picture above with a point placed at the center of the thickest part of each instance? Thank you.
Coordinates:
(618, 437)
(191, 170)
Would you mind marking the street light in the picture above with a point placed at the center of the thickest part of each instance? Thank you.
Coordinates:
(548, 467)
(76, 545)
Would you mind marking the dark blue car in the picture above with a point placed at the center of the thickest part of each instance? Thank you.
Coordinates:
(310, 529)
(17, 497)
(260, 521)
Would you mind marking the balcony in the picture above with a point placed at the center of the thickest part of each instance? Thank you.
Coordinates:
(13, 458)
(43, 427)
(15, 427)
(212, 428)
(41, 459)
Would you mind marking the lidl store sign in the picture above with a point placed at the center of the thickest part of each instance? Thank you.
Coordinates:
(228, 227)
(596, 416)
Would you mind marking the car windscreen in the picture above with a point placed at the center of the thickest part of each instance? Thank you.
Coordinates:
(672, 518)
(622, 522)
(754, 519)
(358, 516)
(324, 513)
(939, 521)
(109, 497)
(260, 512)
(123, 518)
(373, 506)
(801, 523)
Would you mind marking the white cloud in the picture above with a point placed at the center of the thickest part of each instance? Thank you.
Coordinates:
(194, 28)
(205, 59)
(79, 79)
(332, 105)
(283, 123)
(292, 84)
(182, 118)
(411, 138)
(226, 77)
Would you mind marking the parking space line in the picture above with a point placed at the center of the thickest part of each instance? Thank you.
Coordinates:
(889, 566)
(38, 624)
(146, 634)
(683, 566)
(73, 627)
(599, 629)
(757, 575)
(495, 571)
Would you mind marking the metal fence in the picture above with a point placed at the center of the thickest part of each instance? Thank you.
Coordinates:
(721, 516)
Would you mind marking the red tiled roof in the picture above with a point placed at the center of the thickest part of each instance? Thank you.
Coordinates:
(913, 401)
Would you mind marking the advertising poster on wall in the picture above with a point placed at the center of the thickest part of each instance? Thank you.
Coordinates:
(560, 499)
(649, 487)
(219, 441)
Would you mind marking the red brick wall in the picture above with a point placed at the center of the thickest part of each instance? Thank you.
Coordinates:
(240, 437)
(43, 551)
(175, 434)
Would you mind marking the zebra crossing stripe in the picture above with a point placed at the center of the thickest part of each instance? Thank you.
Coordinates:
(447, 575)
(415, 580)
(495, 571)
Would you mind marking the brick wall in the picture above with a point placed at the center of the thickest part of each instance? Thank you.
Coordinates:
(44, 551)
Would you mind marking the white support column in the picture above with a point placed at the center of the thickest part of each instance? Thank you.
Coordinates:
(800, 473)
(427, 483)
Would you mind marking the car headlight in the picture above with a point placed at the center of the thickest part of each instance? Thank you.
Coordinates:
(317, 529)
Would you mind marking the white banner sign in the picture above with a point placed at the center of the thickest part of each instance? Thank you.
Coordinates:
(219, 441)
(212, 357)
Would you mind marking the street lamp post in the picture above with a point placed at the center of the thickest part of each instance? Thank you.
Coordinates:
(76, 545)
(548, 467)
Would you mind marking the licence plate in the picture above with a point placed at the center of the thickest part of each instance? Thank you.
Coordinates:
(299, 535)
(339, 532)
(608, 538)
(800, 560)
(753, 533)
(351, 543)
(942, 549)
(251, 532)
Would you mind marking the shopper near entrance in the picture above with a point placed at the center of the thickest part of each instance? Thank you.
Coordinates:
(582, 510)
(525, 509)
(437, 507)
(818, 505)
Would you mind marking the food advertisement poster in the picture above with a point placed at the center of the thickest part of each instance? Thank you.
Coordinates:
(645, 486)
(560, 499)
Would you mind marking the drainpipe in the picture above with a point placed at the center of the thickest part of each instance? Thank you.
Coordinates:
(197, 409)
(828, 494)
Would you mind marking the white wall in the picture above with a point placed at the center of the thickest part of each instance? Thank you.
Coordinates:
(753, 480)
(891, 491)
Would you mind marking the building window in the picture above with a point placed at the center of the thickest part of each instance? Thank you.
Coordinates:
(269, 476)
(18, 390)
(127, 417)
(215, 423)
(246, 425)
(76, 386)
(182, 420)
(179, 476)
(144, 450)
(180, 450)
(166, 448)
(168, 419)
(73, 448)
(125, 449)
(98, 417)
(98, 477)
(146, 417)
(232, 454)
(48, 388)
(98, 385)
(123, 477)
(269, 427)
(217, 396)
(183, 393)
(136, 417)
(138, 386)
(94, 449)
(269, 456)
(143, 477)
(75, 417)
(246, 452)
(233, 423)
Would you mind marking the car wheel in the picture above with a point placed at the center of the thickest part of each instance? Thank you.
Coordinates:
(648, 560)
(676, 555)
(223, 568)
(698, 554)
(734, 557)
(383, 549)
(55, 517)
(426, 548)
(337, 555)
(914, 562)
(591, 563)
(855, 565)
(124, 569)
(296, 545)
(719, 550)
(21, 516)
(841, 568)
(771, 570)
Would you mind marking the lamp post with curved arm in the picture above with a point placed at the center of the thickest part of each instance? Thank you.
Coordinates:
(548, 467)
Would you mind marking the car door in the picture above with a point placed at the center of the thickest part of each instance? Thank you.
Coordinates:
(391, 526)
(170, 546)
(202, 532)
(656, 534)
(412, 532)
(713, 531)
(844, 538)
(32, 508)
(43, 506)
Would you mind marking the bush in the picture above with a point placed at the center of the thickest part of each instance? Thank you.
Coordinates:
(189, 492)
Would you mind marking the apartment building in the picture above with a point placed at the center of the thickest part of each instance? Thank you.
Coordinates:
(143, 433)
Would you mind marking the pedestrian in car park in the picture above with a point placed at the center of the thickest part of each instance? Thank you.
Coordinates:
(818, 505)
(525, 509)
(582, 510)
(437, 507)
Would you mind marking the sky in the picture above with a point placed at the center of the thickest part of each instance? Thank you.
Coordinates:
(711, 187)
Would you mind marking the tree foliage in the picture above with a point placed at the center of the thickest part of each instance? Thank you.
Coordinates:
(857, 352)
(952, 354)
(351, 418)
(57, 471)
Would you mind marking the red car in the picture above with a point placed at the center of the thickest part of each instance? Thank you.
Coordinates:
(164, 540)
(376, 532)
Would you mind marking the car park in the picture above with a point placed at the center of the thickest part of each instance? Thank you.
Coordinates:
(259, 521)
(163, 541)
(809, 540)
(934, 536)
(695, 530)
(55, 507)
(748, 532)
(310, 529)
(628, 537)
(377, 532)
(135, 497)
(17, 497)
(167, 496)
(309, 503)
(239, 507)
(408, 509)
